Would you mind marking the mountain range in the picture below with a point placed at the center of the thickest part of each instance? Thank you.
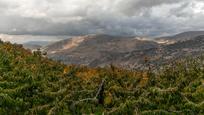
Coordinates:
(128, 52)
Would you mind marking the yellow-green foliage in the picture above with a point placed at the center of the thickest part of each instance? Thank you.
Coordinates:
(32, 84)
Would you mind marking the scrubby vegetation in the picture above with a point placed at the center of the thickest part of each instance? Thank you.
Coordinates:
(32, 84)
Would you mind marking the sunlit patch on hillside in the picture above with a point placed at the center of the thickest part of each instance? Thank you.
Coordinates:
(73, 43)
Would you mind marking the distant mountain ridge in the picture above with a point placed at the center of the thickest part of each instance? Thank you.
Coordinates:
(128, 52)
(94, 40)
(182, 36)
(34, 45)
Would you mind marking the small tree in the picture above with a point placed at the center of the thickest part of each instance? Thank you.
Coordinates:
(37, 53)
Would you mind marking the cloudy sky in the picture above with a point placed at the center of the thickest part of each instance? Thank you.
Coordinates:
(115, 17)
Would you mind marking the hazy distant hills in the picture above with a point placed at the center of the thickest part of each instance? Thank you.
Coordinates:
(182, 36)
(128, 52)
(33, 45)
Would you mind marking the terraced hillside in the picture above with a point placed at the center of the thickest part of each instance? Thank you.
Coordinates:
(32, 84)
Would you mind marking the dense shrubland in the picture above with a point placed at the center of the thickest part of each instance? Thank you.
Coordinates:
(32, 84)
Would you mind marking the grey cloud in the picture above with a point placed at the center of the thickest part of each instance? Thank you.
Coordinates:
(116, 17)
(130, 7)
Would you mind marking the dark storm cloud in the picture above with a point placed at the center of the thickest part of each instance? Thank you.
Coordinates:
(116, 17)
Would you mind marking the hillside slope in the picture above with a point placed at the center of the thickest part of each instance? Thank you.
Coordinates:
(31, 84)
(100, 50)
(129, 53)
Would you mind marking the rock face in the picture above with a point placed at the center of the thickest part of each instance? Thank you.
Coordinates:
(128, 52)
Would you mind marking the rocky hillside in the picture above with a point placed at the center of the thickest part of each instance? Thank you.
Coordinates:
(103, 50)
